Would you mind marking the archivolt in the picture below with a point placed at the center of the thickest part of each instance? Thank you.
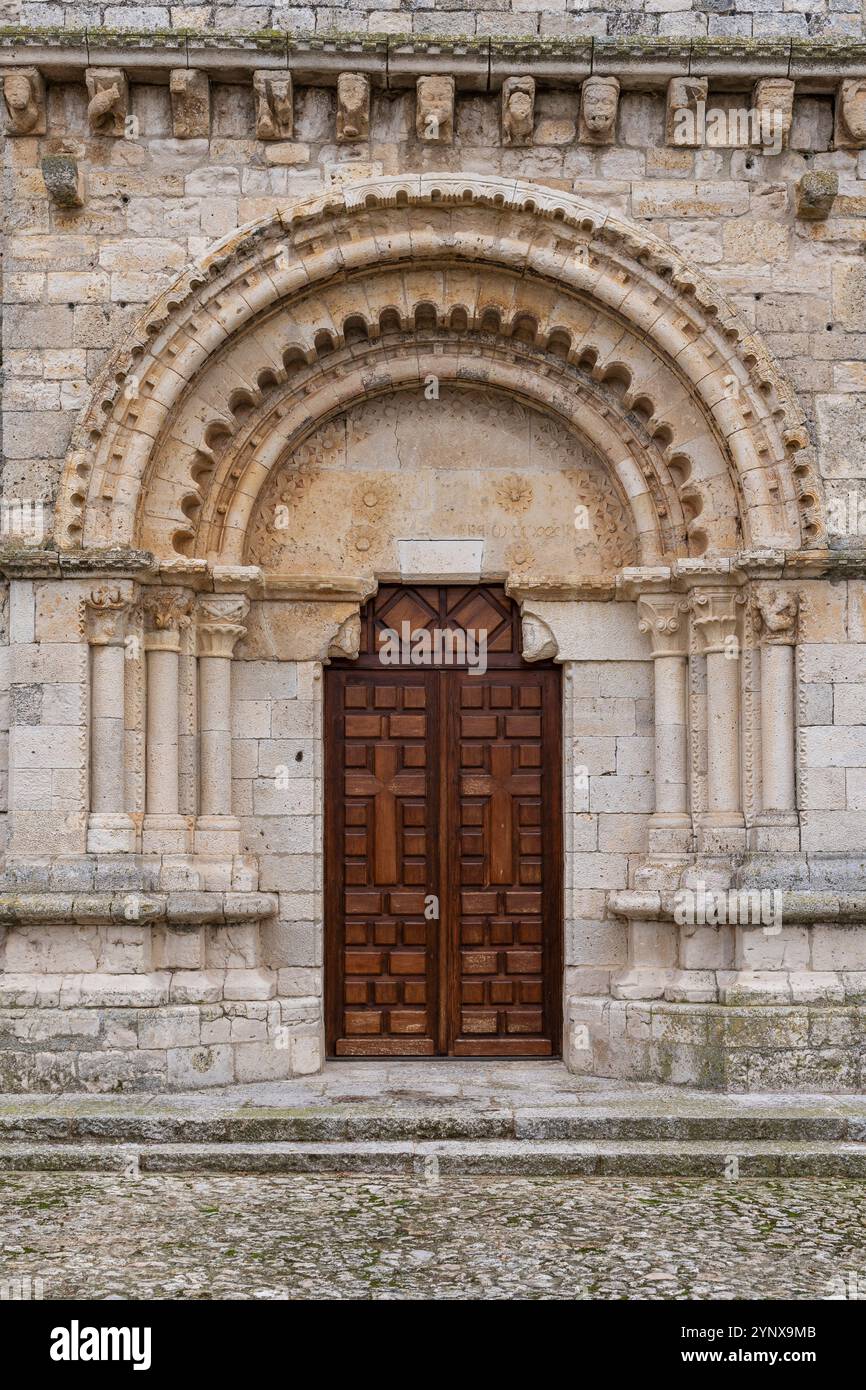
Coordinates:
(480, 281)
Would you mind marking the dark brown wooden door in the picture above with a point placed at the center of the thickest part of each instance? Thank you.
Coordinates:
(443, 839)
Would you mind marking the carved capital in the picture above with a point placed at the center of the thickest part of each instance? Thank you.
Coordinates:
(664, 618)
(24, 98)
(106, 615)
(166, 612)
(108, 106)
(777, 612)
(716, 619)
(220, 623)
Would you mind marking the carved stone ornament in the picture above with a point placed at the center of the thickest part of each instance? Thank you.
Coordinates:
(777, 611)
(664, 618)
(434, 110)
(190, 104)
(716, 619)
(107, 610)
(773, 101)
(850, 125)
(166, 608)
(518, 110)
(220, 623)
(24, 97)
(346, 641)
(599, 103)
(274, 105)
(539, 643)
(353, 107)
(108, 106)
(686, 111)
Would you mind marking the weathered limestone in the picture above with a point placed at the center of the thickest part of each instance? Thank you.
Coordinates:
(190, 104)
(108, 107)
(518, 110)
(434, 114)
(64, 181)
(274, 105)
(353, 106)
(599, 101)
(24, 99)
(850, 127)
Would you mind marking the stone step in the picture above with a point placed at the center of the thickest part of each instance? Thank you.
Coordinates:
(508, 1157)
(342, 1124)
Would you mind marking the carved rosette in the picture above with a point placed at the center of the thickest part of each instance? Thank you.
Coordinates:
(219, 624)
(663, 618)
(106, 616)
(776, 612)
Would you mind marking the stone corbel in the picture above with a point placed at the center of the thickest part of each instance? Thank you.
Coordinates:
(353, 107)
(434, 111)
(190, 104)
(599, 103)
(518, 110)
(24, 98)
(773, 101)
(274, 105)
(346, 642)
(539, 642)
(108, 106)
(850, 125)
(686, 111)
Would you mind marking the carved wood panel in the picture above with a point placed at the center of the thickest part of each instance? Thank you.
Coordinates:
(444, 792)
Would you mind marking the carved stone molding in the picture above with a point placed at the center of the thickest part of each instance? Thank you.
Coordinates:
(777, 613)
(664, 618)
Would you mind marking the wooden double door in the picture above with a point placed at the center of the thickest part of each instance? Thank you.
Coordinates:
(443, 836)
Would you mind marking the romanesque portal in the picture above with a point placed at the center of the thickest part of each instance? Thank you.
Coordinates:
(427, 387)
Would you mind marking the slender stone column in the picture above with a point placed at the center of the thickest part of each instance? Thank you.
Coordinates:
(165, 830)
(110, 829)
(777, 614)
(716, 620)
(664, 618)
(220, 618)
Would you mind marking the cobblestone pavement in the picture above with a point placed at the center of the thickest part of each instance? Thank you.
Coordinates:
(329, 1237)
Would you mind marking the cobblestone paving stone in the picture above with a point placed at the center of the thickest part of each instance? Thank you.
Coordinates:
(215, 1237)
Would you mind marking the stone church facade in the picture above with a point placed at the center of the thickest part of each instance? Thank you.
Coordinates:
(548, 332)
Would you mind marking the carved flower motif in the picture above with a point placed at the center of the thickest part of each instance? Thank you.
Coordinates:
(513, 492)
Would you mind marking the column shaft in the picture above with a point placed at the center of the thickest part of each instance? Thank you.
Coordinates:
(106, 730)
(162, 732)
(723, 734)
(215, 735)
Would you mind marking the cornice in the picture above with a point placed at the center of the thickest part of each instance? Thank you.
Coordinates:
(394, 61)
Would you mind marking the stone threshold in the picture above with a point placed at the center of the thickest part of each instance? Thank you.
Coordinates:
(396, 61)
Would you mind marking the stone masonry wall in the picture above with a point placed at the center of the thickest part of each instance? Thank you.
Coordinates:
(448, 18)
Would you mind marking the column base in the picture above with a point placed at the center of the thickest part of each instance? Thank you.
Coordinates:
(777, 831)
(110, 833)
(670, 835)
(721, 833)
(166, 834)
(217, 835)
